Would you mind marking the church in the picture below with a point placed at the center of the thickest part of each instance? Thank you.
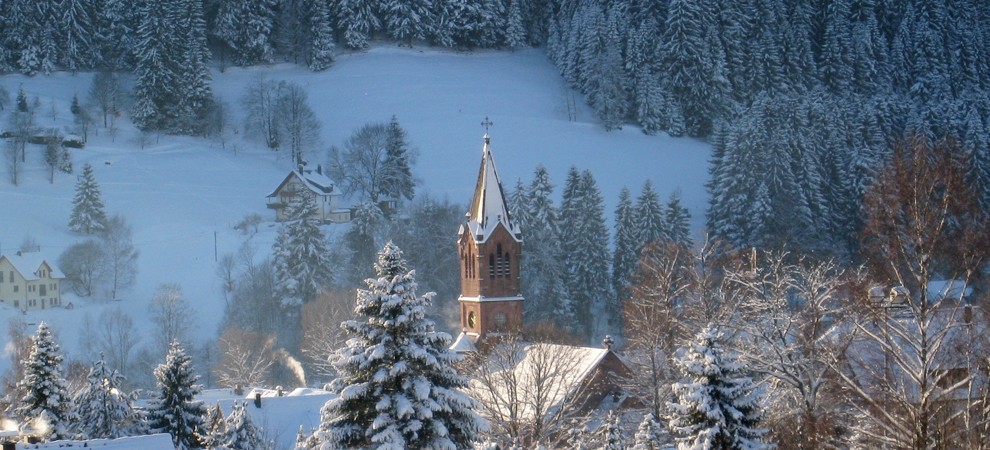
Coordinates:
(492, 308)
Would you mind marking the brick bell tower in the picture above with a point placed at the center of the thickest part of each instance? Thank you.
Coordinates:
(489, 246)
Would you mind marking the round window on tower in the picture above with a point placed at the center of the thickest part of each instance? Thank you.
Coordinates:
(472, 320)
(500, 319)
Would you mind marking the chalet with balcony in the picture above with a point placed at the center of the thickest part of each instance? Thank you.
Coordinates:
(302, 181)
(29, 281)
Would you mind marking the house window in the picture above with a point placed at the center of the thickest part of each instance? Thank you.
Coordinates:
(17, 288)
(44, 290)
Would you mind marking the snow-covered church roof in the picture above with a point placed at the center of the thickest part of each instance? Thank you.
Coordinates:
(489, 207)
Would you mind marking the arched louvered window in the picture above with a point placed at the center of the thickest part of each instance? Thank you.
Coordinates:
(499, 269)
(491, 266)
(508, 266)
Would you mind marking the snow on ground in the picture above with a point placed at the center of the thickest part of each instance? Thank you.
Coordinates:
(177, 193)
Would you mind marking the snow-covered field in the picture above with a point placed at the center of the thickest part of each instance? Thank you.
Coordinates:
(183, 195)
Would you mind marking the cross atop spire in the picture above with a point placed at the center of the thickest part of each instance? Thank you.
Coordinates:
(487, 123)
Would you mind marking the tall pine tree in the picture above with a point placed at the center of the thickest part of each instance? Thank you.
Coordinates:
(175, 410)
(585, 244)
(240, 431)
(717, 407)
(101, 409)
(88, 213)
(43, 399)
(397, 387)
(302, 265)
(626, 256)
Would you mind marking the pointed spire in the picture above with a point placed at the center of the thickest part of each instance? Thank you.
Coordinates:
(489, 206)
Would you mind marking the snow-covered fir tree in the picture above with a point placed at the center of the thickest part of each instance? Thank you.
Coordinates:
(397, 387)
(406, 20)
(677, 220)
(77, 34)
(175, 409)
(246, 26)
(322, 46)
(101, 409)
(116, 24)
(172, 90)
(356, 21)
(42, 397)
(362, 240)
(612, 435)
(580, 438)
(301, 257)
(717, 406)
(397, 179)
(240, 431)
(583, 232)
(648, 435)
(543, 277)
(625, 259)
(650, 217)
(216, 427)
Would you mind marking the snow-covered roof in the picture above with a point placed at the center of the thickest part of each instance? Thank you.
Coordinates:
(160, 441)
(314, 180)
(489, 207)
(463, 344)
(571, 367)
(280, 417)
(28, 263)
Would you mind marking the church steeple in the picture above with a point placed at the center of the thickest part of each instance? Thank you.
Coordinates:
(489, 207)
(490, 249)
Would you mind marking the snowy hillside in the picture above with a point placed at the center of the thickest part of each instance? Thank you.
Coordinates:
(181, 195)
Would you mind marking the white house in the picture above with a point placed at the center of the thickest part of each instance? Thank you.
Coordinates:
(29, 281)
(302, 181)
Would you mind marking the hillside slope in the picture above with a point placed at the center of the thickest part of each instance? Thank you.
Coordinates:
(183, 195)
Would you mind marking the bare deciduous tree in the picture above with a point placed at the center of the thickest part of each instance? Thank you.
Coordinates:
(262, 120)
(245, 358)
(527, 390)
(654, 320)
(105, 93)
(788, 308)
(923, 223)
(172, 316)
(121, 255)
(113, 335)
(299, 128)
(322, 335)
(85, 266)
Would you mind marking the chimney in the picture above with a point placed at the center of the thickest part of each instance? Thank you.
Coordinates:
(238, 390)
(281, 392)
(608, 342)
(968, 314)
(257, 399)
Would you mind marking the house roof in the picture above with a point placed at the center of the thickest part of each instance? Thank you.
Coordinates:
(489, 207)
(160, 441)
(574, 366)
(28, 264)
(314, 180)
(463, 344)
(279, 417)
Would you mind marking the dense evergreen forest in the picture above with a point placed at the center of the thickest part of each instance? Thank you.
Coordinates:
(803, 100)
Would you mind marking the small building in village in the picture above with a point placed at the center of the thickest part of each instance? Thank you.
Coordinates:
(28, 280)
(313, 182)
